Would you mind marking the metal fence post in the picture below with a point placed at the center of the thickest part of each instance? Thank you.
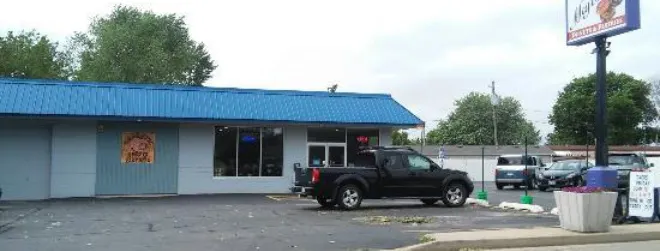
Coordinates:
(526, 199)
(483, 195)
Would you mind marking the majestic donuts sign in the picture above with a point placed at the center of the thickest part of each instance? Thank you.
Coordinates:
(588, 19)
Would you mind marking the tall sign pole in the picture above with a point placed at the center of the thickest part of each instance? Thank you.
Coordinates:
(601, 101)
(494, 100)
(593, 21)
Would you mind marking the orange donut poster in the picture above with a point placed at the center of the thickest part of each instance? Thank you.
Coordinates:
(138, 147)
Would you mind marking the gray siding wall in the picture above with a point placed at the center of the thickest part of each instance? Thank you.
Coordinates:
(116, 178)
(385, 137)
(196, 144)
(73, 163)
(25, 148)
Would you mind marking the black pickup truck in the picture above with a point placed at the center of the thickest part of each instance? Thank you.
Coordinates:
(384, 172)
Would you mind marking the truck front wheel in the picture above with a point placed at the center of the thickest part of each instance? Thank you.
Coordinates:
(349, 197)
(455, 195)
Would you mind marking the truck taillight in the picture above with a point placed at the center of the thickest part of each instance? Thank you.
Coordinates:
(316, 175)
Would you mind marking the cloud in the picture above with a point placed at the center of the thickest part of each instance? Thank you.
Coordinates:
(427, 53)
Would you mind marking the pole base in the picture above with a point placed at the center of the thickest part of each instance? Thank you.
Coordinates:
(526, 199)
(482, 195)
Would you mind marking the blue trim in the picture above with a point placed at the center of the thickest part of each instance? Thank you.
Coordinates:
(633, 15)
(632, 22)
(566, 20)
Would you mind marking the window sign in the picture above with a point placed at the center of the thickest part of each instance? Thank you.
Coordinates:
(138, 147)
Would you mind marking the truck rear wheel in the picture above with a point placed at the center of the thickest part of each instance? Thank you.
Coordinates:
(349, 197)
(455, 195)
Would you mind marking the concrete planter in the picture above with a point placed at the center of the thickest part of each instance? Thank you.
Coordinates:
(586, 212)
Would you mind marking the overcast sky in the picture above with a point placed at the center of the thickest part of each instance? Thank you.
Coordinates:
(425, 53)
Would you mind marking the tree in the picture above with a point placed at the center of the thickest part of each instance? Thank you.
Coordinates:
(471, 123)
(400, 138)
(130, 45)
(30, 55)
(629, 106)
(655, 93)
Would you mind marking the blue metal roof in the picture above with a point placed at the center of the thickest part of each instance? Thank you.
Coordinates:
(30, 97)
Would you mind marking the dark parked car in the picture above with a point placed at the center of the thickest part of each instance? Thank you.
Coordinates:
(563, 173)
(384, 172)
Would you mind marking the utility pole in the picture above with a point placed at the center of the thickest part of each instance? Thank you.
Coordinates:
(494, 100)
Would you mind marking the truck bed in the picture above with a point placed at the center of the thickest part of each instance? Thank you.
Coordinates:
(303, 175)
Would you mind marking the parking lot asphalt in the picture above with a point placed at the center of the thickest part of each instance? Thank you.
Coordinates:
(238, 222)
(510, 194)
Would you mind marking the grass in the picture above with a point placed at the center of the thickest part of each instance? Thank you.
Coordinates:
(394, 219)
(425, 238)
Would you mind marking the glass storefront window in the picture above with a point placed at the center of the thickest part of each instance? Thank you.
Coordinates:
(326, 135)
(357, 138)
(224, 157)
(248, 151)
(272, 151)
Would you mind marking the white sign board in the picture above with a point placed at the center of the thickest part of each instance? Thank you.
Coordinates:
(641, 197)
(441, 156)
(588, 19)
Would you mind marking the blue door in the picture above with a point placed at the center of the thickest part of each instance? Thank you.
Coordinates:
(137, 158)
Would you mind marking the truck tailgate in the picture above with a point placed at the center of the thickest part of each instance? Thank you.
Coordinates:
(303, 176)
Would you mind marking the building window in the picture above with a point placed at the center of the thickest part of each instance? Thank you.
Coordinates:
(357, 138)
(326, 135)
(224, 157)
(272, 153)
(248, 151)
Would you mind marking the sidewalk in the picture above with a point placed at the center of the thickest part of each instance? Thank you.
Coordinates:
(535, 237)
(636, 246)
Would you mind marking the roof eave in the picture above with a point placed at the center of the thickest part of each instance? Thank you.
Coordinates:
(205, 120)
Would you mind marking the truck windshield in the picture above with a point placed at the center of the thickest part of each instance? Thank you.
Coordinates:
(365, 159)
(625, 160)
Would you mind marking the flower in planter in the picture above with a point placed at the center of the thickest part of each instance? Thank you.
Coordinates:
(583, 189)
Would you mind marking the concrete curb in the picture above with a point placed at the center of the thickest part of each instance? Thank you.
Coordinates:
(537, 237)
